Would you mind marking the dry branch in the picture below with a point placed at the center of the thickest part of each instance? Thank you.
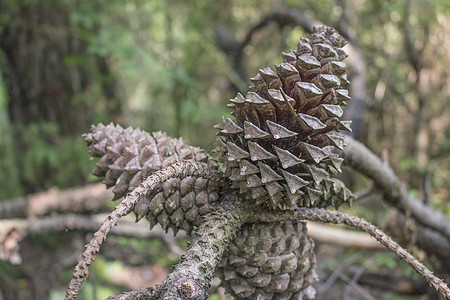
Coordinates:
(91, 198)
(360, 158)
(13, 231)
(341, 237)
(191, 278)
(181, 169)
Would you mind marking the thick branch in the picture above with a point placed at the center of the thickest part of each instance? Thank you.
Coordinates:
(181, 169)
(360, 158)
(327, 216)
(191, 278)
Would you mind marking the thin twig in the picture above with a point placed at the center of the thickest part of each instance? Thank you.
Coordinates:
(180, 169)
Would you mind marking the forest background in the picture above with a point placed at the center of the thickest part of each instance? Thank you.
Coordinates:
(172, 66)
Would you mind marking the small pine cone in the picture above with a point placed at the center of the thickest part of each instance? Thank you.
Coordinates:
(269, 261)
(279, 151)
(128, 156)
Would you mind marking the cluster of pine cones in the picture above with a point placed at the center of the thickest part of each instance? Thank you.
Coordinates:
(278, 153)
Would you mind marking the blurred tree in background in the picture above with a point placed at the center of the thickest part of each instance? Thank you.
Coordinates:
(172, 65)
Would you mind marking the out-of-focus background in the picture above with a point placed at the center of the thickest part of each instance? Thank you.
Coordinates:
(172, 66)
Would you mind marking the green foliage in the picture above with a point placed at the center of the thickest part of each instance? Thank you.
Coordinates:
(11, 275)
(213, 297)
(43, 152)
(386, 261)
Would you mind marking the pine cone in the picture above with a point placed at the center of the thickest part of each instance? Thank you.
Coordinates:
(128, 156)
(269, 261)
(279, 150)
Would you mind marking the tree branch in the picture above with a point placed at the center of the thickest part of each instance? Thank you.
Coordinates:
(87, 199)
(341, 237)
(180, 169)
(360, 158)
(191, 278)
(327, 216)
(13, 231)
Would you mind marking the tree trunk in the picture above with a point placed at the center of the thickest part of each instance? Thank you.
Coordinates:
(50, 78)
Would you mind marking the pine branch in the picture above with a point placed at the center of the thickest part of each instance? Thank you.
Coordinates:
(182, 277)
(191, 278)
(334, 217)
(181, 169)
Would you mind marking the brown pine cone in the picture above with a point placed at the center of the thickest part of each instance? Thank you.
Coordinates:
(127, 156)
(279, 150)
(269, 261)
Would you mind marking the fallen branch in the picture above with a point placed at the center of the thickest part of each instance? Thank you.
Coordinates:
(360, 158)
(87, 199)
(13, 231)
(180, 169)
(341, 237)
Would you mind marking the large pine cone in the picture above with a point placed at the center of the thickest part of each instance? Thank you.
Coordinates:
(279, 150)
(269, 261)
(127, 156)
